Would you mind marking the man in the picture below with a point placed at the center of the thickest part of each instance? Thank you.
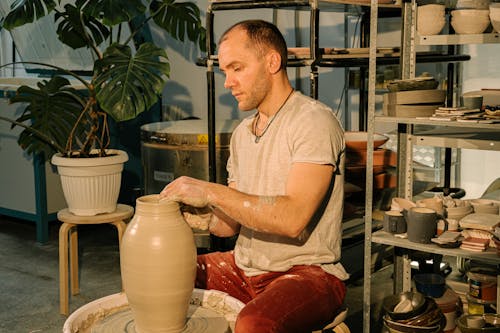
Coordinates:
(284, 195)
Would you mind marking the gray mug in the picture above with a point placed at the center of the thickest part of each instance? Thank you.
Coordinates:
(421, 224)
(394, 222)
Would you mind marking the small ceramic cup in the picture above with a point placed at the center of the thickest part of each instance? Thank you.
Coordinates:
(394, 222)
(472, 101)
(475, 322)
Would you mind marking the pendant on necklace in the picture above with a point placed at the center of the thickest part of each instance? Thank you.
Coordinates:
(257, 138)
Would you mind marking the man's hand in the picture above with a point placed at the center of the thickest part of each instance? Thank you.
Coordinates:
(187, 190)
(197, 218)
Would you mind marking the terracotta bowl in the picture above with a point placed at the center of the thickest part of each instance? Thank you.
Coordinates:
(381, 156)
(356, 140)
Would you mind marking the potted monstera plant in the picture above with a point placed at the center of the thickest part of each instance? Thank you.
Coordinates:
(70, 123)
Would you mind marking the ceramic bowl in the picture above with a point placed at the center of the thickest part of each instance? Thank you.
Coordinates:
(431, 10)
(356, 140)
(430, 25)
(401, 204)
(381, 156)
(398, 327)
(469, 25)
(471, 13)
(491, 323)
(495, 21)
(419, 83)
(472, 4)
(485, 206)
(430, 284)
(458, 213)
(406, 305)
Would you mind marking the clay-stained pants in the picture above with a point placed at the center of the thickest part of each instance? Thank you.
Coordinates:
(304, 299)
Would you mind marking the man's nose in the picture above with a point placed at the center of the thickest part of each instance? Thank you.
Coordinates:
(228, 82)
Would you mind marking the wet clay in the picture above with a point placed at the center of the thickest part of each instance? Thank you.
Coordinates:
(210, 311)
(200, 320)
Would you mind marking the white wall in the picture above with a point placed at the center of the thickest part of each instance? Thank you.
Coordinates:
(480, 168)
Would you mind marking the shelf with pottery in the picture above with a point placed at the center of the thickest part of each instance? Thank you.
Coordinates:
(450, 134)
(489, 256)
(424, 131)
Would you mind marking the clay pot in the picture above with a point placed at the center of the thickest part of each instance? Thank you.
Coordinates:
(158, 266)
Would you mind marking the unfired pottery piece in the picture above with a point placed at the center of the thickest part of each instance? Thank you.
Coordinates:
(158, 265)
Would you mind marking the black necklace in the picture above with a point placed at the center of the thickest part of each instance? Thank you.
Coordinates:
(257, 137)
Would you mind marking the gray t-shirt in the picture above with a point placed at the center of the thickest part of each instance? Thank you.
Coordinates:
(304, 130)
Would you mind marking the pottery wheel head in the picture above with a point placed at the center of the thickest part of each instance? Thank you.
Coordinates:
(200, 320)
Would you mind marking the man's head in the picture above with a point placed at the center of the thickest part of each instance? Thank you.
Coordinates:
(263, 36)
(253, 56)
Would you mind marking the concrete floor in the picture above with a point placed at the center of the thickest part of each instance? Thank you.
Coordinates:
(29, 281)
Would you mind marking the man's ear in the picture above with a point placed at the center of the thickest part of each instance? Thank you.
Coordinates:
(274, 61)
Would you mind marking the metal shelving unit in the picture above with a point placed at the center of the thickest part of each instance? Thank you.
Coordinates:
(412, 131)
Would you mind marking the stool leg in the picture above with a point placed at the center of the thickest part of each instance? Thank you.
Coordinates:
(120, 227)
(73, 261)
(63, 268)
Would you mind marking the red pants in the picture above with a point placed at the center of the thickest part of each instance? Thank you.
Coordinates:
(304, 299)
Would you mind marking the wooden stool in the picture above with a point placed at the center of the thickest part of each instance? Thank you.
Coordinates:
(68, 232)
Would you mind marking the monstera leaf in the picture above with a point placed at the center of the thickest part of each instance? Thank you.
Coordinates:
(52, 111)
(112, 11)
(77, 29)
(27, 11)
(127, 84)
(179, 19)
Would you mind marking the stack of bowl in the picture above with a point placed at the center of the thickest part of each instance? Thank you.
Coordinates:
(412, 312)
(495, 15)
(430, 19)
(470, 21)
(356, 158)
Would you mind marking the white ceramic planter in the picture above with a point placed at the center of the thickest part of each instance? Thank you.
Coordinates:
(91, 185)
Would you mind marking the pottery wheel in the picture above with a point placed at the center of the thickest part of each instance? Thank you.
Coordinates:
(200, 320)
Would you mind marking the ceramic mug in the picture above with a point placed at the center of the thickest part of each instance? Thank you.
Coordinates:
(421, 224)
(472, 101)
(394, 222)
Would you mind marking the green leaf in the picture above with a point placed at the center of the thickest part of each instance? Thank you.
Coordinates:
(127, 84)
(113, 12)
(27, 11)
(77, 29)
(52, 110)
(179, 19)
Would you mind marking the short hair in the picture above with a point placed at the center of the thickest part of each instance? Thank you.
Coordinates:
(265, 35)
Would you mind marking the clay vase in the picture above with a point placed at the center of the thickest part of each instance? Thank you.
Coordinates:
(158, 266)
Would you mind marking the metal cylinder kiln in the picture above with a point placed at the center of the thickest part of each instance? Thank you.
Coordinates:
(180, 148)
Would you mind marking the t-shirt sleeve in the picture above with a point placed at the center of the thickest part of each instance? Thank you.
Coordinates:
(317, 136)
